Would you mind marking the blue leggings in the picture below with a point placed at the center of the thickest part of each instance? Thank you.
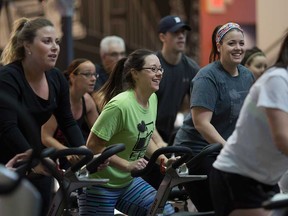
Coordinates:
(135, 199)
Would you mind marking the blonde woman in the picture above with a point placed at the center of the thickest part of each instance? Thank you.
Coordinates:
(30, 79)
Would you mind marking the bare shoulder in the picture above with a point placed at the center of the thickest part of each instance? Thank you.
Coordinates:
(90, 104)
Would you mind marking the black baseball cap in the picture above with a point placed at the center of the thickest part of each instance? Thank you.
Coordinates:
(171, 24)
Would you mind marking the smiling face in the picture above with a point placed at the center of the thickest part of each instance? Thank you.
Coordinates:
(232, 48)
(147, 79)
(83, 80)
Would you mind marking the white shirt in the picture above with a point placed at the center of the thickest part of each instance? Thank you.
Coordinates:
(250, 150)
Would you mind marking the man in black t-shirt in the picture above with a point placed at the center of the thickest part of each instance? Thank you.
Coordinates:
(179, 70)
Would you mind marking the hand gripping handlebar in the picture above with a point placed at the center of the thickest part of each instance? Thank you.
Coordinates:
(186, 155)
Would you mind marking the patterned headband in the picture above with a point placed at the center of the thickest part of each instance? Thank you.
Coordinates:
(226, 28)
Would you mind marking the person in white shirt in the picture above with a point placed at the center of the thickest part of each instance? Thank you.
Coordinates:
(254, 157)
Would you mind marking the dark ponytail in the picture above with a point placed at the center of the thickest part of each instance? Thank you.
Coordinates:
(214, 54)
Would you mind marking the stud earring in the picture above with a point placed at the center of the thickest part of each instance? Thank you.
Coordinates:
(29, 53)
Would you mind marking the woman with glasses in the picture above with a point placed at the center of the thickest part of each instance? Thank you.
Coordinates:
(217, 95)
(112, 87)
(129, 118)
(81, 74)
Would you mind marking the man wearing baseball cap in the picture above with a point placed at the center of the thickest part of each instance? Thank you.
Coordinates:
(179, 70)
(172, 24)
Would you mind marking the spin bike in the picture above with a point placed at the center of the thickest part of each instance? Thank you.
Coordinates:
(14, 187)
(76, 176)
(176, 174)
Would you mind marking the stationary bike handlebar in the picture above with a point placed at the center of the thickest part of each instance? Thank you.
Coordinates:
(278, 201)
(108, 152)
(22, 167)
(211, 148)
(186, 155)
(88, 160)
(88, 155)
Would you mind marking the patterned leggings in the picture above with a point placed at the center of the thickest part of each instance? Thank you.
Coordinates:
(135, 199)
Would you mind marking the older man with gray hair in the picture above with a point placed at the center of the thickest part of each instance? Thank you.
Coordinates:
(112, 49)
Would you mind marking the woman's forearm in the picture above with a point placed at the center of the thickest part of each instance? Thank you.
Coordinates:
(210, 134)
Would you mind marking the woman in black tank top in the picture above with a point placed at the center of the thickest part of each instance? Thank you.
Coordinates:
(82, 76)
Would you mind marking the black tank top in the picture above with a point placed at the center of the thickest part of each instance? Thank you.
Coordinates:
(82, 123)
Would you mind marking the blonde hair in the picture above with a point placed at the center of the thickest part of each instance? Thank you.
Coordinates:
(24, 29)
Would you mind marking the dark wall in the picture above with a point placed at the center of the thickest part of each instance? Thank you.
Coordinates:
(135, 21)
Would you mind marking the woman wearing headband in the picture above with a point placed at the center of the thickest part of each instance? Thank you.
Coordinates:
(217, 94)
(255, 156)
(256, 61)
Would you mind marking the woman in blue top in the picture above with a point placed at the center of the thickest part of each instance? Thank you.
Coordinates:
(217, 94)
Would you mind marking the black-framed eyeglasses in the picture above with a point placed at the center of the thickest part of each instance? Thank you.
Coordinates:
(154, 69)
(88, 75)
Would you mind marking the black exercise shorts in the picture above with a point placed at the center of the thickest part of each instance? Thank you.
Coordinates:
(232, 191)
